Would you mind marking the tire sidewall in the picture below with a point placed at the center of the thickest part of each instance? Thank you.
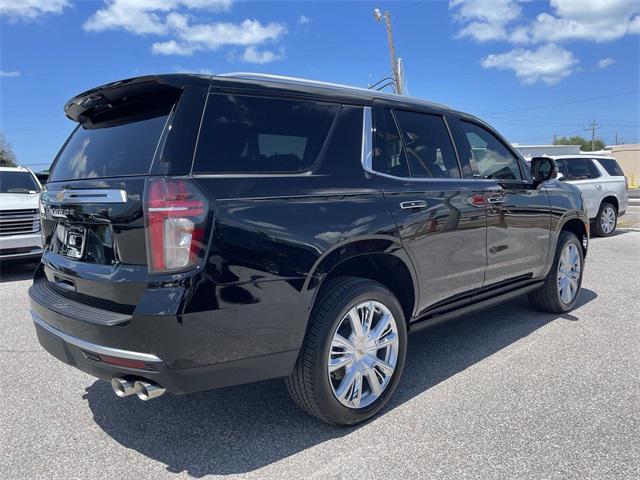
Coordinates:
(565, 239)
(334, 408)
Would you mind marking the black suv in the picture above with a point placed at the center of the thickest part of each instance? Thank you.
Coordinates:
(210, 231)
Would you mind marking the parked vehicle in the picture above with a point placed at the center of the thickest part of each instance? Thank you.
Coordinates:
(212, 231)
(604, 187)
(20, 236)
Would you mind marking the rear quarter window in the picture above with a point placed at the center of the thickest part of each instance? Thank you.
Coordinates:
(247, 134)
(611, 166)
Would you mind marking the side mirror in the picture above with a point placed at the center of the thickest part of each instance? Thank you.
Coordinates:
(543, 169)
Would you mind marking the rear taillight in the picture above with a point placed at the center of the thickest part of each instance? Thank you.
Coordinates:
(175, 214)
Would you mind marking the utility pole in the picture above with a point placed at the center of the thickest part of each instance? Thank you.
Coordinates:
(593, 127)
(392, 49)
(555, 138)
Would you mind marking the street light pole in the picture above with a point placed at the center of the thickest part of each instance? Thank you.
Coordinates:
(392, 49)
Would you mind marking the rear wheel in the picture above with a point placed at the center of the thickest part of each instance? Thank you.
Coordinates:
(562, 285)
(606, 221)
(353, 354)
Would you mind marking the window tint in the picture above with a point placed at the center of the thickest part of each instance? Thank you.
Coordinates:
(428, 145)
(580, 169)
(257, 134)
(611, 166)
(17, 182)
(389, 155)
(490, 156)
(124, 149)
(562, 168)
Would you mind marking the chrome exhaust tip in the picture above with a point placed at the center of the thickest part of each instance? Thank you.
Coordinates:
(148, 390)
(122, 387)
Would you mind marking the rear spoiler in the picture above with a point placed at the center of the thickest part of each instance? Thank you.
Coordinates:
(85, 107)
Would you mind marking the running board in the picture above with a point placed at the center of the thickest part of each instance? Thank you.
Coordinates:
(429, 321)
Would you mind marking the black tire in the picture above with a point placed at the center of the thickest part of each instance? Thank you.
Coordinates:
(547, 298)
(309, 384)
(597, 227)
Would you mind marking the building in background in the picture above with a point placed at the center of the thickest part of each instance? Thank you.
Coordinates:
(628, 156)
(529, 151)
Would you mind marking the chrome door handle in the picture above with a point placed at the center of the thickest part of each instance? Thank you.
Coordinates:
(413, 204)
(598, 187)
(495, 200)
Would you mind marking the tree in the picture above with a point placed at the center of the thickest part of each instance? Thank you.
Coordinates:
(7, 157)
(585, 145)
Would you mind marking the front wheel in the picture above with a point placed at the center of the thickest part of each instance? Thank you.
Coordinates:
(560, 290)
(353, 353)
(606, 221)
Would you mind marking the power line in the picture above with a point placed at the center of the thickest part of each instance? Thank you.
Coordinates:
(571, 102)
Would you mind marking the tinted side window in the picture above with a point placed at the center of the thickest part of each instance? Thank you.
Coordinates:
(242, 134)
(611, 166)
(428, 145)
(389, 155)
(562, 168)
(490, 155)
(580, 169)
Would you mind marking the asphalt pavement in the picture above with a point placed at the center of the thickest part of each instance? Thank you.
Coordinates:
(508, 393)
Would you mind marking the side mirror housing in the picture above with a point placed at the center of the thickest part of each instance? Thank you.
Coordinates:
(543, 169)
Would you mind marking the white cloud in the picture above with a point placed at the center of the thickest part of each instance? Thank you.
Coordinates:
(303, 19)
(606, 62)
(167, 18)
(253, 55)
(596, 21)
(485, 20)
(13, 73)
(549, 63)
(31, 9)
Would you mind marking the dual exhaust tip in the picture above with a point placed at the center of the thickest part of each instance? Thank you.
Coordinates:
(144, 389)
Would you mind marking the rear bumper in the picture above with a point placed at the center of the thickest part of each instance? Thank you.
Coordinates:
(79, 348)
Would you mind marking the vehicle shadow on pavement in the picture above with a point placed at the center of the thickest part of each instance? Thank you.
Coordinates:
(14, 271)
(240, 429)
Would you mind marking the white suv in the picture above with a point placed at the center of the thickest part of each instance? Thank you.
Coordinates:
(19, 219)
(603, 185)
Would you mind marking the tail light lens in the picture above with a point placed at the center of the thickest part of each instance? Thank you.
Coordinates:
(175, 214)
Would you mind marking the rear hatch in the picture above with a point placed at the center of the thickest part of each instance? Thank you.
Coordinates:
(93, 209)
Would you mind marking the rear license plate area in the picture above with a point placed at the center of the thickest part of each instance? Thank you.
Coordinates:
(71, 240)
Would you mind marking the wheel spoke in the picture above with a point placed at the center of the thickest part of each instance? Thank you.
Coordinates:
(346, 385)
(374, 381)
(368, 318)
(382, 325)
(384, 366)
(340, 342)
(356, 323)
(390, 339)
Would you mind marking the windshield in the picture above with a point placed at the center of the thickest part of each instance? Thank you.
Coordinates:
(18, 182)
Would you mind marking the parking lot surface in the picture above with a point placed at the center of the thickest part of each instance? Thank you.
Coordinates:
(507, 393)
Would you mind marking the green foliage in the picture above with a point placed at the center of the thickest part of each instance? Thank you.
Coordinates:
(585, 145)
(7, 157)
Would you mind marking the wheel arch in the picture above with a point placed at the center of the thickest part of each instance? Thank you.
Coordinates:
(374, 259)
(612, 200)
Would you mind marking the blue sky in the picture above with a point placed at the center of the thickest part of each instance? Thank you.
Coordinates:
(531, 68)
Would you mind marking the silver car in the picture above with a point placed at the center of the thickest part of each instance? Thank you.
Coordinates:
(603, 185)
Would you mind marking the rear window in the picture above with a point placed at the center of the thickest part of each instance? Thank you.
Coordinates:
(243, 134)
(17, 182)
(96, 151)
(580, 169)
(611, 166)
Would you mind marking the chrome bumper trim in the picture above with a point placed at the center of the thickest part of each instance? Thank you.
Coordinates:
(92, 347)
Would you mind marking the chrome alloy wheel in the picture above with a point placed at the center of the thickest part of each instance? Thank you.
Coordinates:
(363, 354)
(569, 268)
(608, 219)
